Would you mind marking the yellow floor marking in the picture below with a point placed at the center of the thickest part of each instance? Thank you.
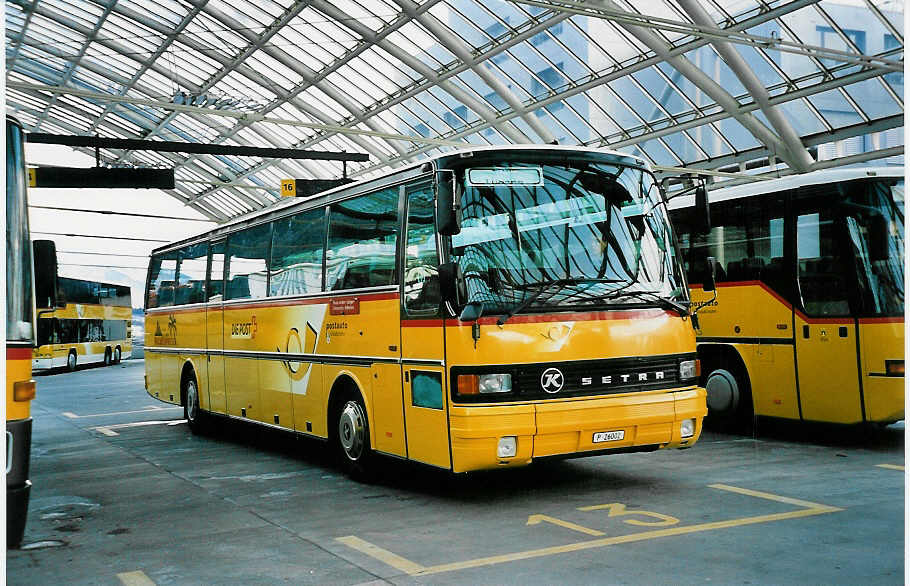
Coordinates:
(890, 466)
(394, 560)
(401, 563)
(137, 578)
(538, 519)
(773, 497)
(108, 430)
(146, 410)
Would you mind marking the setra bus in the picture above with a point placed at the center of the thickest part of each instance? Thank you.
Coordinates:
(810, 321)
(20, 337)
(483, 309)
(79, 322)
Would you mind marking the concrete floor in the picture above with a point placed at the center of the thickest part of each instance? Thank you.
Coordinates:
(136, 504)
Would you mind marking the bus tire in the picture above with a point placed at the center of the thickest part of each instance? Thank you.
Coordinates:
(729, 396)
(191, 411)
(352, 437)
(71, 361)
(108, 357)
(117, 355)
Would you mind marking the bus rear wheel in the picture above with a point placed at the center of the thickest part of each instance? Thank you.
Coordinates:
(108, 357)
(71, 361)
(117, 355)
(353, 439)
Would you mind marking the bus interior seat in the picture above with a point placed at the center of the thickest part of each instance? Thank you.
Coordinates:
(239, 287)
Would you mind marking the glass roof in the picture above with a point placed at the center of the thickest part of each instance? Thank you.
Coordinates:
(751, 86)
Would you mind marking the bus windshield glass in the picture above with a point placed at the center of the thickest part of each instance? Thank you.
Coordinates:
(875, 222)
(557, 236)
(19, 300)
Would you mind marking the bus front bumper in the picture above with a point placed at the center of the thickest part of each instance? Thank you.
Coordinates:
(574, 427)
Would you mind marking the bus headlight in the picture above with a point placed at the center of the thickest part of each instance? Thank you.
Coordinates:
(494, 383)
(689, 369)
(687, 428)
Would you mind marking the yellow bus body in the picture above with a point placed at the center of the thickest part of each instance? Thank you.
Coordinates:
(249, 379)
(48, 356)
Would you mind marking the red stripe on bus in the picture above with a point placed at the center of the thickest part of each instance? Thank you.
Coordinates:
(285, 303)
(16, 353)
(881, 320)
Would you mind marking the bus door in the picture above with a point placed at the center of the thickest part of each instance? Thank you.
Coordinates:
(826, 345)
(214, 328)
(422, 337)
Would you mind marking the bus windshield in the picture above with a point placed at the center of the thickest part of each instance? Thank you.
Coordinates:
(19, 299)
(558, 236)
(875, 222)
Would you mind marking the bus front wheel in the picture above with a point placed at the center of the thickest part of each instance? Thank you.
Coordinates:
(353, 439)
(729, 399)
(191, 410)
(108, 357)
(71, 361)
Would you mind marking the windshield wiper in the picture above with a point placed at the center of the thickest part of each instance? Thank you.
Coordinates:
(545, 287)
(652, 296)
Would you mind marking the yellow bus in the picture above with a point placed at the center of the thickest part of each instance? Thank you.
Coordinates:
(479, 310)
(808, 323)
(20, 337)
(79, 322)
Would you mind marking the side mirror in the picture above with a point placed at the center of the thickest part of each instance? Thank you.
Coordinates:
(702, 223)
(448, 203)
(710, 276)
(879, 232)
(45, 259)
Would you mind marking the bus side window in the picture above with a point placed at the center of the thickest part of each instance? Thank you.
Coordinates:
(215, 280)
(297, 247)
(248, 252)
(421, 262)
(161, 281)
(191, 281)
(363, 235)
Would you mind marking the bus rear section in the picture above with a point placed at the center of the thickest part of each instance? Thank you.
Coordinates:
(808, 323)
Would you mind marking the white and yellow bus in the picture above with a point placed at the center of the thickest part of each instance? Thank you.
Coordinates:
(20, 337)
(808, 323)
(480, 310)
(79, 322)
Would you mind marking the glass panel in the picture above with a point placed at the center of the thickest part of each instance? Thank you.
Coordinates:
(19, 298)
(421, 279)
(822, 271)
(594, 232)
(875, 222)
(248, 253)
(363, 233)
(162, 274)
(216, 272)
(297, 246)
(191, 278)
(426, 389)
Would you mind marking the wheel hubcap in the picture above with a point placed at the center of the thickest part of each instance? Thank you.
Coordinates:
(191, 401)
(351, 430)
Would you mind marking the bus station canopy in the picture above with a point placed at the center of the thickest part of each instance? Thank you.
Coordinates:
(723, 86)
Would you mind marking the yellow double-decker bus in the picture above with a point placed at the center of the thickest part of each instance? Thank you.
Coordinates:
(479, 310)
(80, 322)
(809, 320)
(20, 337)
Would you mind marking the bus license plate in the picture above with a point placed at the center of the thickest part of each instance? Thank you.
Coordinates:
(608, 436)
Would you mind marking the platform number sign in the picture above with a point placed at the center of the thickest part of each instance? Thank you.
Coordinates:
(288, 188)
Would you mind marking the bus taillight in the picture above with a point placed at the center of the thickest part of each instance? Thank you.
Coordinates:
(24, 390)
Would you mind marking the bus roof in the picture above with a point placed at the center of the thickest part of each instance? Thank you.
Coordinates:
(276, 208)
(791, 182)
